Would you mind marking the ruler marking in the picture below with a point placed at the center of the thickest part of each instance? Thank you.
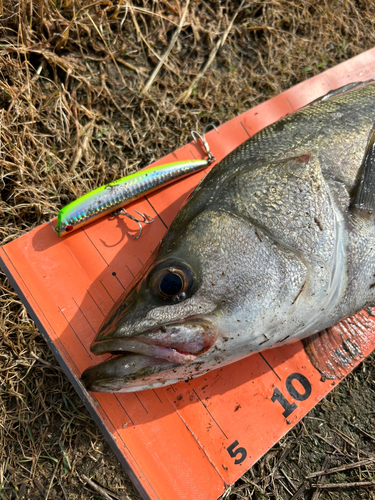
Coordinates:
(243, 126)
(269, 366)
(293, 109)
(122, 406)
(100, 281)
(97, 305)
(153, 208)
(96, 248)
(115, 275)
(327, 82)
(130, 271)
(136, 395)
(205, 407)
(75, 333)
(157, 395)
(83, 314)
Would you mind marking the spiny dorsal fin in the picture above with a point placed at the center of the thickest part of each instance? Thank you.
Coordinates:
(333, 351)
(340, 90)
(364, 194)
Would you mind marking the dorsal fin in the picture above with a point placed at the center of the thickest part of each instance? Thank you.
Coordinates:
(333, 351)
(340, 90)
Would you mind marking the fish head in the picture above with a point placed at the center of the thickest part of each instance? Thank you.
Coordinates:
(164, 324)
(268, 250)
(222, 284)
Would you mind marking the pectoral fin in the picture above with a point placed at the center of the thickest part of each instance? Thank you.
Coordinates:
(334, 351)
(364, 195)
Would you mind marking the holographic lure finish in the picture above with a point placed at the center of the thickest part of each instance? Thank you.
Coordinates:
(107, 199)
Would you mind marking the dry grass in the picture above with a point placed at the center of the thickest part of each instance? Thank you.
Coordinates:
(72, 117)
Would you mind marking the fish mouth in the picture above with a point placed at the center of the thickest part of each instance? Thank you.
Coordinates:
(125, 373)
(147, 354)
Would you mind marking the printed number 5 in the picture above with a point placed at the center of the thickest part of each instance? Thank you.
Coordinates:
(234, 452)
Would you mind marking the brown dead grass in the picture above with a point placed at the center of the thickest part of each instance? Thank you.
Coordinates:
(73, 117)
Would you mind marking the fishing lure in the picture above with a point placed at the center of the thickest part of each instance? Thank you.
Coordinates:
(112, 197)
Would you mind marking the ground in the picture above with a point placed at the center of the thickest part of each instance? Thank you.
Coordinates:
(78, 109)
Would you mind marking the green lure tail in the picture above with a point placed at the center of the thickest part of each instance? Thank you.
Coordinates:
(113, 196)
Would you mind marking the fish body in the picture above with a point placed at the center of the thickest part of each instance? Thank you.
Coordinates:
(110, 197)
(276, 243)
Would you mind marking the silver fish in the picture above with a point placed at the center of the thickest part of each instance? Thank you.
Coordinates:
(277, 243)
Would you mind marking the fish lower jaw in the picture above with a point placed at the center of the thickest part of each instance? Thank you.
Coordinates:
(124, 373)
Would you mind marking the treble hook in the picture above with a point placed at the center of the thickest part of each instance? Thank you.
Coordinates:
(202, 137)
(146, 219)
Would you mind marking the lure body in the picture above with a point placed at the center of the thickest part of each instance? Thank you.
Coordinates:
(110, 197)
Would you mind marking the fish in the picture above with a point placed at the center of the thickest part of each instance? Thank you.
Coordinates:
(275, 245)
(111, 197)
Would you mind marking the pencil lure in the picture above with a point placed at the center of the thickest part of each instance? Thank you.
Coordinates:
(113, 196)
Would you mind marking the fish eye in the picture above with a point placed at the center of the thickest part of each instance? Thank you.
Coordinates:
(171, 281)
(171, 284)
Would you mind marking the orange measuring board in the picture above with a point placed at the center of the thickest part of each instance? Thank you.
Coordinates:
(191, 439)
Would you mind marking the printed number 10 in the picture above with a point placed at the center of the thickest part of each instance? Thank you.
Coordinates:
(298, 396)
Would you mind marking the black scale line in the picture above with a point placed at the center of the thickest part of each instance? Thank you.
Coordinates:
(192, 154)
(293, 110)
(136, 395)
(106, 290)
(205, 407)
(243, 126)
(83, 314)
(115, 275)
(269, 366)
(140, 261)
(75, 333)
(156, 394)
(122, 406)
(156, 212)
(96, 248)
(130, 271)
(329, 85)
(97, 305)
